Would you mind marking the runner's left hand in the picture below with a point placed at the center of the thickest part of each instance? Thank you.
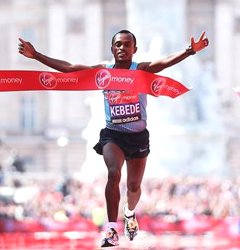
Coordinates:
(201, 43)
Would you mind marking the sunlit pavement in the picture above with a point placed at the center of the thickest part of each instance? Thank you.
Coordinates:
(91, 241)
(146, 241)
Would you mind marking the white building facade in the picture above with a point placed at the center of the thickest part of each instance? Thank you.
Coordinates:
(197, 133)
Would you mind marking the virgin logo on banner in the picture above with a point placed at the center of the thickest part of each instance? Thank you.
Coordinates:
(48, 80)
(102, 79)
(92, 79)
(156, 86)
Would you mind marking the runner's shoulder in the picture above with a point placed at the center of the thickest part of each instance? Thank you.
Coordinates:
(99, 66)
(143, 66)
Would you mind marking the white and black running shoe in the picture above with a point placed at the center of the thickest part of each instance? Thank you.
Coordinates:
(111, 238)
(131, 226)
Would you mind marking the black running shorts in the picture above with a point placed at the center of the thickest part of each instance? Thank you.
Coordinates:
(134, 145)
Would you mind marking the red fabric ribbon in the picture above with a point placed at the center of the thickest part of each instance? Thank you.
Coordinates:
(91, 79)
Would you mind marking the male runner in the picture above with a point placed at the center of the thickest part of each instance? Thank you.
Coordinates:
(125, 137)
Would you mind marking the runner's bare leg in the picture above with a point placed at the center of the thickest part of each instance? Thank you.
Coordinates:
(135, 172)
(114, 159)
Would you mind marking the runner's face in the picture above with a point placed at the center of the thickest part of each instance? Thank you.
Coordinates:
(123, 47)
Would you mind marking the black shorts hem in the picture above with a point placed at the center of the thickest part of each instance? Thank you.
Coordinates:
(134, 145)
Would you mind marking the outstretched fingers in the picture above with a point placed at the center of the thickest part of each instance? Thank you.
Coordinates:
(21, 40)
(192, 40)
(202, 35)
(21, 45)
(204, 39)
(201, 43)
(25, 48)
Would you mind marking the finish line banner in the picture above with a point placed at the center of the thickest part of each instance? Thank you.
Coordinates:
(91, 79)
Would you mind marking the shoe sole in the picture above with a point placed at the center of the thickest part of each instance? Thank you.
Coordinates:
(107, 244)
(125, 230)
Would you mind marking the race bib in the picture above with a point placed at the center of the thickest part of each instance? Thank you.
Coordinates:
(124, 106)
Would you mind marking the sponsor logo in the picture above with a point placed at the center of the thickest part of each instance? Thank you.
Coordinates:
(103, 78)
(172, 89)
(126, 120)
(67, 79)
(115, 98)
(143, 149)
(159, 84)
(118, 97)
(130, 98)
(48, 80)
(131, 119)
(9, 80)
(156, 86)
(128, 80)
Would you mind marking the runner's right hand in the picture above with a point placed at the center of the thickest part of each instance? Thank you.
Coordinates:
(26, 48)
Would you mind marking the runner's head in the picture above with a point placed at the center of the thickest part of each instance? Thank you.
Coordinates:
(125, 32)
(123, 46)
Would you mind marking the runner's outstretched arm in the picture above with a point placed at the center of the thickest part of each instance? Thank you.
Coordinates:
(159, 65)
(27, 49)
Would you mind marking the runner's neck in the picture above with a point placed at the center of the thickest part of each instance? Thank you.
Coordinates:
(122, 65)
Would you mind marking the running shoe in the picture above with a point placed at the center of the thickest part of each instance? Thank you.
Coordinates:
(111, 238)
(131, 226)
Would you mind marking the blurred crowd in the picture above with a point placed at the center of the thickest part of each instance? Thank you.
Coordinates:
(181, 197)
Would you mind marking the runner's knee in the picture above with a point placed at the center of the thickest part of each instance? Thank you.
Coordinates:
(134, 187)
(114, 176)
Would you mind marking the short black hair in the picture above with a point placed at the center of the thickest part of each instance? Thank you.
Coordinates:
(125, 32)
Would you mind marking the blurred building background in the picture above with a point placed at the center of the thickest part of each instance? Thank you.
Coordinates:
(54, 132)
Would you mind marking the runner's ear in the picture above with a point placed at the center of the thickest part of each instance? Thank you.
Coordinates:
(135, 50)
(112, 50)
